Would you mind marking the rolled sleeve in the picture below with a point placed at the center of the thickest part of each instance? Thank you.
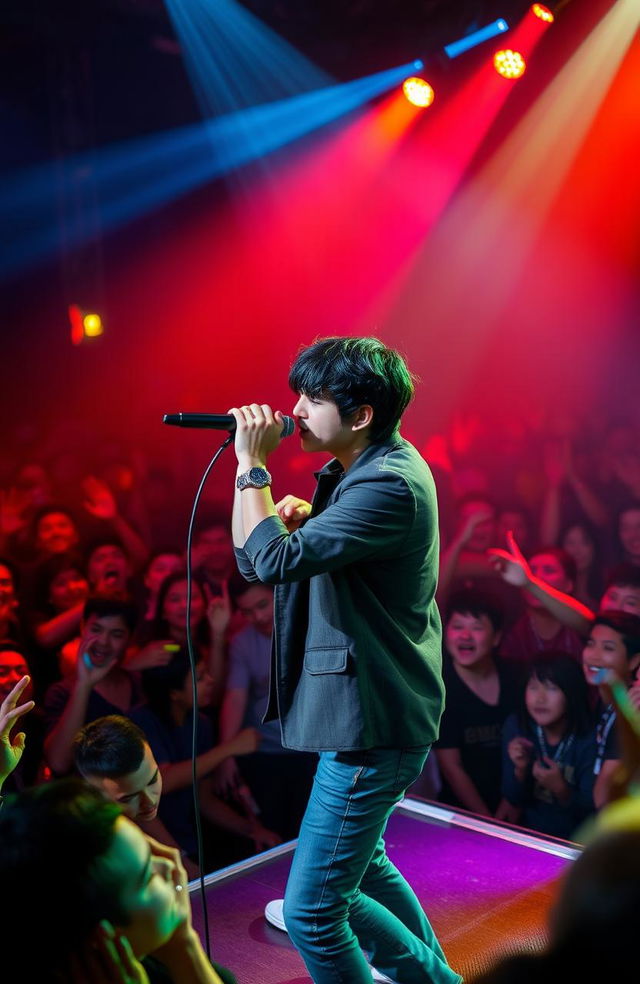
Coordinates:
(245, 566)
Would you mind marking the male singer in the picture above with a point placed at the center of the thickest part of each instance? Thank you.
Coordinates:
(356, 665)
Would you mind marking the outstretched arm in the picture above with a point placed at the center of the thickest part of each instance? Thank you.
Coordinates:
(514, 569)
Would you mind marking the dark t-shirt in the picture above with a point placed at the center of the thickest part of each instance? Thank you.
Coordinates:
(171, 744)
(474, 728)
(540, 809)
(522, 645)
(59, 693)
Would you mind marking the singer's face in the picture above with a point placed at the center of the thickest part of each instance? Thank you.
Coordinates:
(320, 425)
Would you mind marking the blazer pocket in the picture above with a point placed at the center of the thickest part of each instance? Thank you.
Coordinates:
(334, 660)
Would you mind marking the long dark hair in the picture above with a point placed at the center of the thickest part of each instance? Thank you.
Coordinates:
(159, 626)
(562, 670)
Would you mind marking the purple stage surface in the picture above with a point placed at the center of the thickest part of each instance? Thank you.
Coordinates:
(486, 888)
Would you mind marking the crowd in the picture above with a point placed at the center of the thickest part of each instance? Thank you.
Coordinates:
(539, 592)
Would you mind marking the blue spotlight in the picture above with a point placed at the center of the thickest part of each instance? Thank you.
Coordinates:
(234, 60)
(144, 174)
(471, 40)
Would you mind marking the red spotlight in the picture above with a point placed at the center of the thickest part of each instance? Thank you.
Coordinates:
(510, 64)
(84, 325)
(418, 92)
(539, 10)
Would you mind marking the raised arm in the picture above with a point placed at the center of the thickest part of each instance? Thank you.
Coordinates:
(515, 570)
(11, 748)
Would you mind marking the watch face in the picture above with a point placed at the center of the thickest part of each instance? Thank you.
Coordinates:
(255, 478)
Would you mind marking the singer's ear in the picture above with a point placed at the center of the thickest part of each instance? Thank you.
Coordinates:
(362, 418)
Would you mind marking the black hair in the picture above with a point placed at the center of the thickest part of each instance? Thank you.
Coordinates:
(621, 576)
(563, 670)
(162, 551)
(107, 606)
(53, 838)
(594, 575)
(48, 570)
(158, 628)
(473, 601)
(105, 540)
(477, 496)
(109, 747)
(354, 372)
(13, 570)
(159, 681)
(8, 646)
(600, 899)
(47, 510)
(238, 586)
(213, 517)
(626, 625)
(631, 506)
(566, 561)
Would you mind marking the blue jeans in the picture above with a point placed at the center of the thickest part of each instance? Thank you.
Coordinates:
(343, 894)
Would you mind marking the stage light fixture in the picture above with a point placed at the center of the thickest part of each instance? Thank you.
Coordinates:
(84, 325)
(418, 92)
(92, 324)
(510, 64)
(471, 40)
(539, 10)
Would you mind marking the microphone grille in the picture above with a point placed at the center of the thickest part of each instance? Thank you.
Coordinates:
(289, 426)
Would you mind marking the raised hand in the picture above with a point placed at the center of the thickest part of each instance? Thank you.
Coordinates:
(218, 609)
(510, 564)
(293, 511)
(90, 668)
(98, 498)
(157, 653)
(107, 958)
(481, 515)
(11, 749)
(258, 433)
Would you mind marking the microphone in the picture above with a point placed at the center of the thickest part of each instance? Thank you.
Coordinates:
(217, 421)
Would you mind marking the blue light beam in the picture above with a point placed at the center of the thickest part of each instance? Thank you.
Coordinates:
(234, 60)
(144, 174)
(471, 40)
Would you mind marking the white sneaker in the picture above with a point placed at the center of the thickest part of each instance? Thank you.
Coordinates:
(376, 975)
(273, 915)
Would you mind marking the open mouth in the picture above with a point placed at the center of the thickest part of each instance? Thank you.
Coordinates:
(599, 674)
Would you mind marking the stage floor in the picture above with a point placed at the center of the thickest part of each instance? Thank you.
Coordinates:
(486, 888)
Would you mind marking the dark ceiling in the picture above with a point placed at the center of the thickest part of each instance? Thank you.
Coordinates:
(77, 74)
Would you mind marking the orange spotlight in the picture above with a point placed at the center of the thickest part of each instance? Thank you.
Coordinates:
(92, 324)
(542, 12)
(83, 325)
(418, 92)
(510, 64)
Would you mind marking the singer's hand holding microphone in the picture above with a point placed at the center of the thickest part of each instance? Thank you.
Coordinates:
(258, 429)
(258, 432)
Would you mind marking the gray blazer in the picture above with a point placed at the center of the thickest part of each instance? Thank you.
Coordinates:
(356, 655)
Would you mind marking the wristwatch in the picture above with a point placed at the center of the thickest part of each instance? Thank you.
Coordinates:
(255, 478)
